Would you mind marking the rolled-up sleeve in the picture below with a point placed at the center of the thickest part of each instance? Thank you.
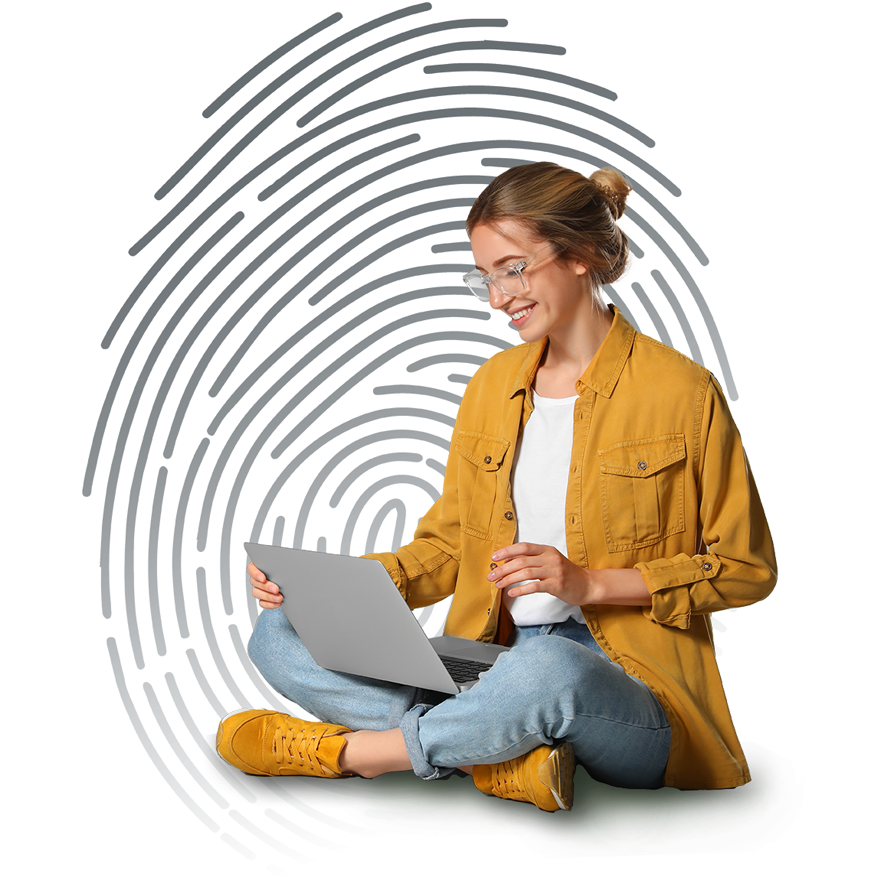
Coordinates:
(737, 565)
(426, 569)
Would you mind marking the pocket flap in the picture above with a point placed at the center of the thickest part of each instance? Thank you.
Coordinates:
(483, 451)
(642, 458)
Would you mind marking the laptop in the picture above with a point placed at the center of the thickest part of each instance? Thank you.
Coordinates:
(352, 618)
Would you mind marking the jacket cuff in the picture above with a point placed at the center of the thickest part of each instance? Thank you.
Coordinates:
(669, 582)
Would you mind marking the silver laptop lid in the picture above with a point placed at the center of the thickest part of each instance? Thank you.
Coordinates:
(351, 616)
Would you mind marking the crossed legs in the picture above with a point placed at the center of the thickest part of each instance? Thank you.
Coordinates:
(554, 685)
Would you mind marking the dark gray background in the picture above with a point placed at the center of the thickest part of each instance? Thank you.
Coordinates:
(273, 336)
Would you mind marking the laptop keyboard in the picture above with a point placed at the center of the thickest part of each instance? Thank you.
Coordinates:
(464, 670)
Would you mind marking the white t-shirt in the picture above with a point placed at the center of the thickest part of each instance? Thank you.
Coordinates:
(539, 485)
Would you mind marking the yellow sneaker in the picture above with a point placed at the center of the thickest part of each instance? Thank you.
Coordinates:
(266, 743)
(544, 777)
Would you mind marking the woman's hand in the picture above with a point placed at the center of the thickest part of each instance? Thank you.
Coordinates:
(546, 567)
(267, 592)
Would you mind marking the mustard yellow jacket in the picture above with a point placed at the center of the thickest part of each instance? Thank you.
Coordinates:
(659, 481)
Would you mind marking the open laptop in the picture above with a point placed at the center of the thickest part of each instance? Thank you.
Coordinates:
(352, 618)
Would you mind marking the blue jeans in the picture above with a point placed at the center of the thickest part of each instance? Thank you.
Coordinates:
(555, 684)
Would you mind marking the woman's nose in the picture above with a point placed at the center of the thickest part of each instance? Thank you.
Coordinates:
(497, 297)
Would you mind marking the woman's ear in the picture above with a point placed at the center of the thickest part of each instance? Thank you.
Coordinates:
(578, 264)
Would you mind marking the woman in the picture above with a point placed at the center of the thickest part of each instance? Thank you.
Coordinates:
(597, 507)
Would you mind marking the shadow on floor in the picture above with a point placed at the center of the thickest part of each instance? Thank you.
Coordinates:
(447, 827)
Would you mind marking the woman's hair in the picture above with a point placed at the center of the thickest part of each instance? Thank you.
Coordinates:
(578, 214)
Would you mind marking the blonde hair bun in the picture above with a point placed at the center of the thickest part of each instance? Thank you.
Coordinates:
(613, 188)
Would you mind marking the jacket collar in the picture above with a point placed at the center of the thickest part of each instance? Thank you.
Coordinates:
(604, 370)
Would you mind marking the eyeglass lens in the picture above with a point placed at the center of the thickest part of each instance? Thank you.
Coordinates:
(507, 280)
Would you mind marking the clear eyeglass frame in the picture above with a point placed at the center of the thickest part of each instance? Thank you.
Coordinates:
(508, 279)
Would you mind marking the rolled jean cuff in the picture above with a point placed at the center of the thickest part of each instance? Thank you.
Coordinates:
(409, 726)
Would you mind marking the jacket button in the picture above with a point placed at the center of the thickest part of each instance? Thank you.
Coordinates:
(707, 566)
(508, 515)
(642, 465)
(488, 459)
(493, 565)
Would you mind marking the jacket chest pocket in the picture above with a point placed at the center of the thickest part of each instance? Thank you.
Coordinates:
(642, 491)
(479, 474)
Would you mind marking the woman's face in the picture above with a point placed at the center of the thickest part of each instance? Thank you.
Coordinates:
(557, 296)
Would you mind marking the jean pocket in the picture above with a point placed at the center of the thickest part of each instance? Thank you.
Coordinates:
(642, 491)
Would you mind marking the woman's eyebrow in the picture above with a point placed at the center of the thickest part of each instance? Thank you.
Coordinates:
(510, 258)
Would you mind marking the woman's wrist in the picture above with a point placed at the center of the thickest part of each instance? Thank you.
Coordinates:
(616, 586)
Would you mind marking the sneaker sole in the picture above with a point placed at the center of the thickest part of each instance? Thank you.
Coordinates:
(557, 773)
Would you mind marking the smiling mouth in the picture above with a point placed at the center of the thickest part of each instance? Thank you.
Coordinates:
(522, 313)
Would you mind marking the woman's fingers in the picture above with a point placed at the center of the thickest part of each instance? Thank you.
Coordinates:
(256, 575)
(265, 586)
(268, 598)
(264, 590)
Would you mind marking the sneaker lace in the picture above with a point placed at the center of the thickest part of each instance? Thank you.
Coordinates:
(297, 746)
(509, 780)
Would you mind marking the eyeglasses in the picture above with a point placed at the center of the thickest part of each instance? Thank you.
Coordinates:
(508, 279)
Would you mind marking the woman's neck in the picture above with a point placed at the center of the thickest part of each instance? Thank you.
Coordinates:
(569, 353)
